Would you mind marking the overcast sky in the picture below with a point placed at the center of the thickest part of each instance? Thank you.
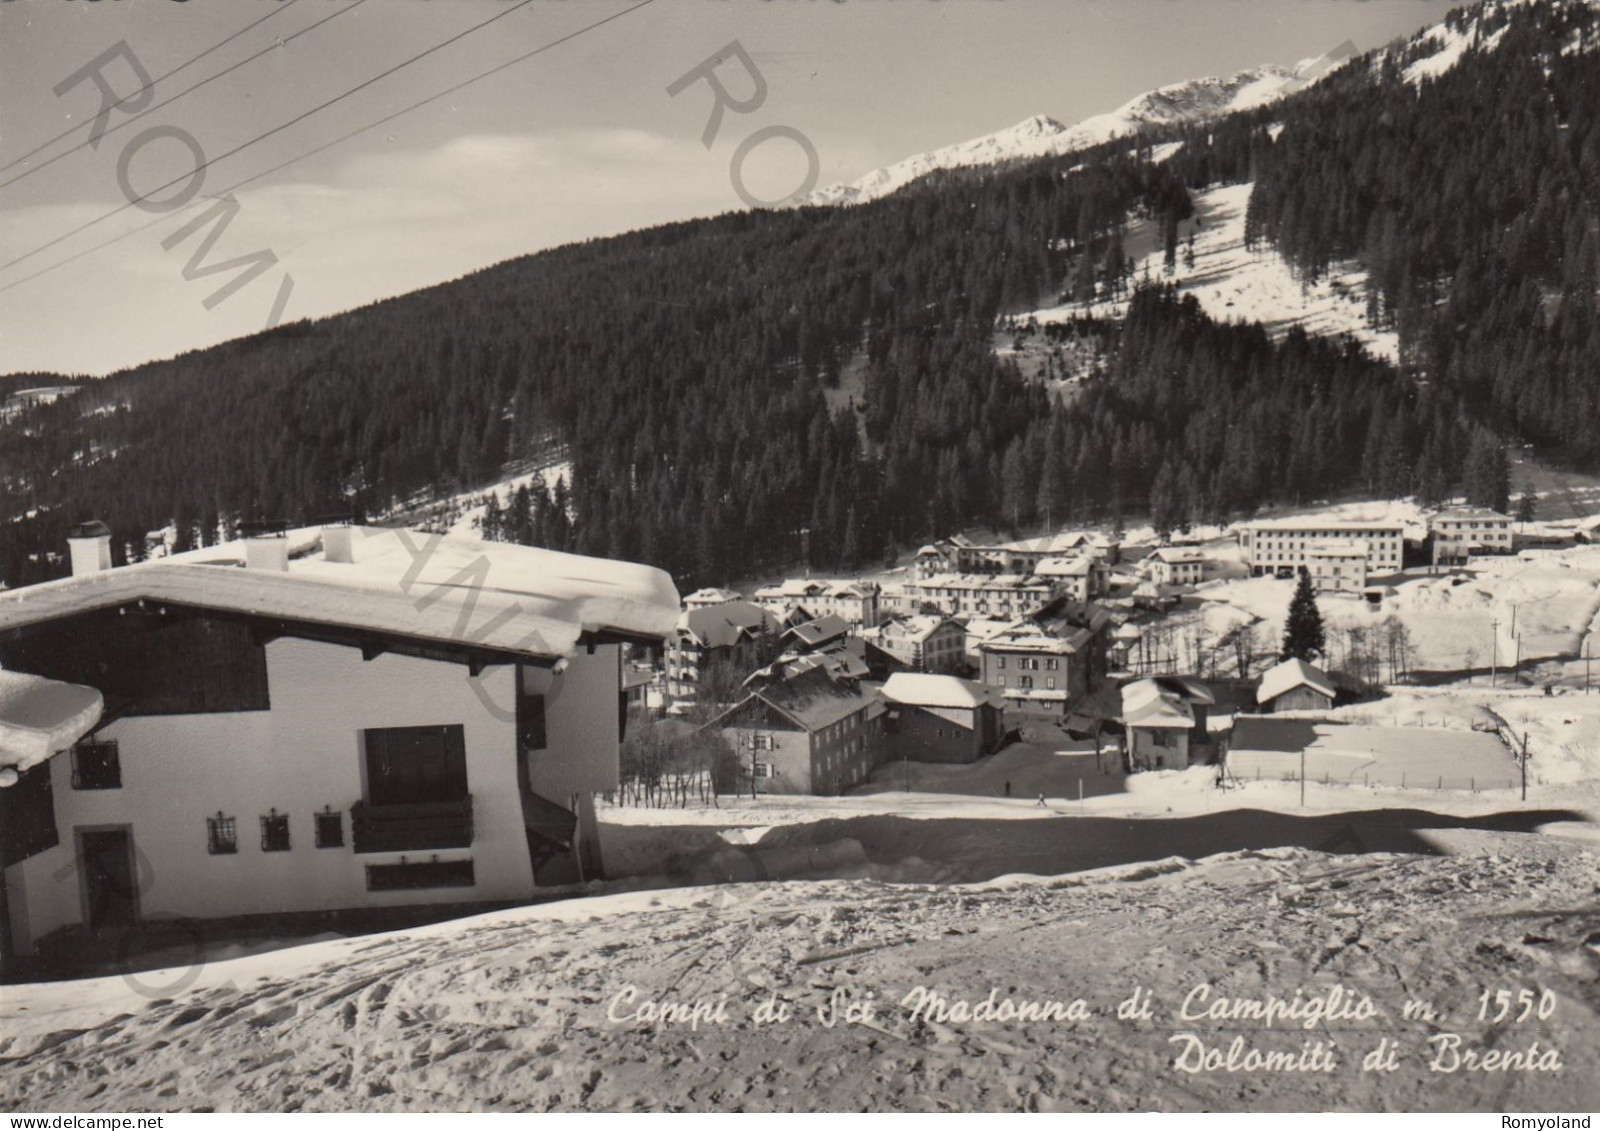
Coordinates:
(582, 140)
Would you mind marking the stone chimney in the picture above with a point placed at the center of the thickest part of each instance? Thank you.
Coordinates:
(89, 543)
(338, 544)
(267, 551)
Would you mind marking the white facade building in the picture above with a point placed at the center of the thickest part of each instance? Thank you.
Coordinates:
(388, 720)
(1177, 565)
(1283, 545)
(1338, 567)
(1459, 532)
(978, 594)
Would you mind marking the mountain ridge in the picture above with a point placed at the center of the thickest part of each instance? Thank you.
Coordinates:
(1191, 101)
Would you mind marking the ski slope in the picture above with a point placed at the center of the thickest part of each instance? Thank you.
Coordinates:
(1237, 284)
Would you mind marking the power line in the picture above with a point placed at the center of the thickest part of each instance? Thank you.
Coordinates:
(336, 141)
(208, 162)
(351, 5)
(277, 10)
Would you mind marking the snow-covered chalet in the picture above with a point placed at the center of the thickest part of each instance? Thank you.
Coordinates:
(309, 723)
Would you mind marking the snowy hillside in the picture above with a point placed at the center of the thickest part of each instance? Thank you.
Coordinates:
(1040, 136)
(1236, 284)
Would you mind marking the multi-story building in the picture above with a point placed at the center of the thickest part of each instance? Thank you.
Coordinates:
(738, 634)
(923, 643)
(813, 730)
(1338, 567)
(810, 598)
(327, 731)
(1050, 659)
(708, 598)
(977, 594)
(1082, 578)
(1176, 565)
(962, 555)
(1460, 532)
(1280, 546)
(940, 718)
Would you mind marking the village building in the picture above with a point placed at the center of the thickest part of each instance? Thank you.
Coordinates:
(923, 643)
(707, 598)
(980, 629)
(1083, 578)
(855, 601)
(1282, 546)
(1338, 567)
(316, 724)
(1294, 685)
(817, 635)
(636, 685)
(959, 554)
(985, 595)
(737, 634)
(941, 718)
(1176, 565)
(1050, 659)
(1026, 554)
(1166, 721)
(805, 730)
(1460, 532)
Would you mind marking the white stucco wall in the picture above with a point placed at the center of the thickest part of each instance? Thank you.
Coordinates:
(581, 718)
(302, 755)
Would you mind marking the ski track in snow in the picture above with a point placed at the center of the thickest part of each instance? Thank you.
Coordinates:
(509, 1011)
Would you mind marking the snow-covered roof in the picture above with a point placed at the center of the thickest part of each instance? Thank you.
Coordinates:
(917, 627)
(1145, 703)
(711, 596)
(990, 582)
(1333, 525)
(814, 632)
(919, 689)
(722, 626)
(1064, 567)
(1053, 543)
(1470, 514)
(1177, 555)
(442, 588)
(1289, 675)
(40, 716)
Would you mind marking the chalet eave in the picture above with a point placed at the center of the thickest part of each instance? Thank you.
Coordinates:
(371, 642)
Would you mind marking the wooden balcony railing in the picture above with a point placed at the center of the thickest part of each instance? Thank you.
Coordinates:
(411, 828)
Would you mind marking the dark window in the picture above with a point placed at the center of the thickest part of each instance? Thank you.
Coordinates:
(431, 874)
(222, 835)
(330, 829)
(415, 765)
(275, 832)
(95, 765)
(530, 722)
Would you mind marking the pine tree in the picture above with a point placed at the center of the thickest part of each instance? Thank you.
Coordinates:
(1303, 635)
(1527, 505)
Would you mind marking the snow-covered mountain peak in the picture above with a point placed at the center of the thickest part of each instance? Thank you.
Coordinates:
(1042, 136)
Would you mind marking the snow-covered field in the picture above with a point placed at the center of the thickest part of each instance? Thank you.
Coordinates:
(1235, 284)
(1458, 620)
